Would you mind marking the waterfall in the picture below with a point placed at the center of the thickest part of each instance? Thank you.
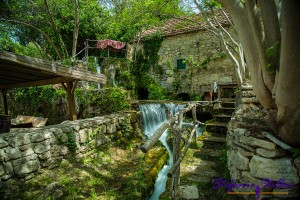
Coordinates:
(154, 115)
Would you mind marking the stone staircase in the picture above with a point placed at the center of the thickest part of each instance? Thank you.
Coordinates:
(198, 171)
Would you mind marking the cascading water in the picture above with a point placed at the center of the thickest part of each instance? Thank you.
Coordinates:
(154, 115)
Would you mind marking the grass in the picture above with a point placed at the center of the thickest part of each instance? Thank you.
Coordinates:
(116, 173)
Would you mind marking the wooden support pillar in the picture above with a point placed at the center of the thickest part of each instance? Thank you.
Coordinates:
(4, 98)
(70, 88)
(194, 113)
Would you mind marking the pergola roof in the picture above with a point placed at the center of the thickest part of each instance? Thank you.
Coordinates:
(182, 25)
(23, 71)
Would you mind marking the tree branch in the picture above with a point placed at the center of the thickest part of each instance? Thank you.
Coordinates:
(54, 27)
(39, 30)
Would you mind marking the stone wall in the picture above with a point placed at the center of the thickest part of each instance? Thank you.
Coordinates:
(253, 157)
(24, 151)
(200, 46)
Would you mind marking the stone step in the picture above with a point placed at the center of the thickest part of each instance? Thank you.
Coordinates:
(225, 111)
(208, 152)
(197, 173)
(214, 139)
(217, 128)
(198, 161)
(228, 104)
(222, 118)
(189, 192)
(216, 124)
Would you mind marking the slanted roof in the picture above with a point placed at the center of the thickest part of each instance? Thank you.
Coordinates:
(183, 25)
(23, 71)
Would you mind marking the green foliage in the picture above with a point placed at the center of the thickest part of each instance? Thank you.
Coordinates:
(157, 93)
(295, 151)
(211, 4)
(71, 143)
(273, 51)
(42, 101)
(195, 97)
(115, 99)
(151, 47)
(126, 80)
(105, 101)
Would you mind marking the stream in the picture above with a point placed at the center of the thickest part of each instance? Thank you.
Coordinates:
(154, 115)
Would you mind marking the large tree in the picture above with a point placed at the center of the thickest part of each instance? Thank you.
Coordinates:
(270, 35)
(59, 27)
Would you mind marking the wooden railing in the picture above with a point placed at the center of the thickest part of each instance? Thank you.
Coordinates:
(174, 124)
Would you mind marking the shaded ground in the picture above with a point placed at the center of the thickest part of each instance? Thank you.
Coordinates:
(112, 173)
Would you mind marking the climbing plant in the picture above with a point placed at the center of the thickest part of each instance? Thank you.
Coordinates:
(146, 60)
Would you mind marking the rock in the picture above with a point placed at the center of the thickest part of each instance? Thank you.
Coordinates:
(297, 162)
(83, 135)
(37, 137)
(8, 167)
(238, 160)
(27, 152)
(246, 177)
(3, 143)
(25, 147)
(23, 167)
(2, 171)
(234, 173)
(271, 153)
(239, 131)
(64, 150)
(6, 177)
(21, 139)
(44, 156)
(252, 141)
(244, 152)
(111, 128)
(62, 138)
(291, 192)
(2, 155)
(273, 169)
(189, 192)
(13, 153)
(54, 191)
(42, 147)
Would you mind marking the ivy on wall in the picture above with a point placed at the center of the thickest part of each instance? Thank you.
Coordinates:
(146, 60)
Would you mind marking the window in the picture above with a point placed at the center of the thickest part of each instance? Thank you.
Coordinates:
(181, 64)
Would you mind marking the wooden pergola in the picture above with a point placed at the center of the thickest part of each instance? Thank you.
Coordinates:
(22, 71)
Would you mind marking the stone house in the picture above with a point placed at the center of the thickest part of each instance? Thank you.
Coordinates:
(190, 56)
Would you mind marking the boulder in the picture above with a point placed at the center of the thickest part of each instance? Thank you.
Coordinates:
(273, 169)
(54, 191)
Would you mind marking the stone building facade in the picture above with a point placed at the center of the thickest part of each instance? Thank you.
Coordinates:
(205, 62)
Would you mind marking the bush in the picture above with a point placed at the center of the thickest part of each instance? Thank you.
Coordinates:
(157, 93)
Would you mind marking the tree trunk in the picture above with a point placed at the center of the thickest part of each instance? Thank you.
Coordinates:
(288, 92)
(241, 20)
(76, 28)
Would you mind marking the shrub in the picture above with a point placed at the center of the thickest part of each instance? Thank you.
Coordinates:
(157, 93)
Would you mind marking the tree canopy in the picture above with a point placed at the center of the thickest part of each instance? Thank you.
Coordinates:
(49, 25)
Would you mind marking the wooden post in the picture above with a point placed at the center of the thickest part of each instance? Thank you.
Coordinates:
(4, 98)
(176, 154)
(70, 88)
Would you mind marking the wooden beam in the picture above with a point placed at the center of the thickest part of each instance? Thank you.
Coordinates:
(52, 68)
(4, 98)
(71, 100)
(37, 83)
